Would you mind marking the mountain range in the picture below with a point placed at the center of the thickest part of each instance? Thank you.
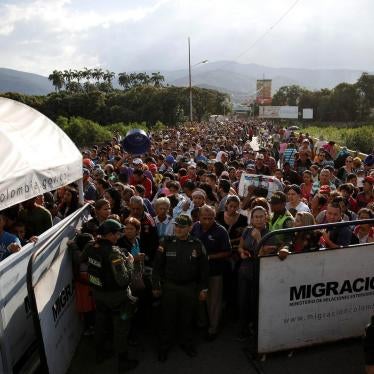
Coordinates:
(238, 80)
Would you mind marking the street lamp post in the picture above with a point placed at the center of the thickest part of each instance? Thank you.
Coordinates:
(190, 76)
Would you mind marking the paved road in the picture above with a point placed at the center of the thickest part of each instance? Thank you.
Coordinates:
(227, 356)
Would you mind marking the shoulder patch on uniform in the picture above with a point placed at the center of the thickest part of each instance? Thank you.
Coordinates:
(171, 254)
(94, 262)
(116, 261)
(194, 253)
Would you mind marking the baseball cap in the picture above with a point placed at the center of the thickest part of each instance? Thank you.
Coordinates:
(278, 197)
(325, 189)
(250, 165)
(152, 167)
(99, 173)
(199, 192)
(137, 161)
(169, 159)
(86, 171)
(110, 225)
(183, 220)
(87, 163)
(369, 179)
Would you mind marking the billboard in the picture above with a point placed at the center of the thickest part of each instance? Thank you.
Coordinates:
(263, 91)
(330, 299)
(307, 113)
(287, 112)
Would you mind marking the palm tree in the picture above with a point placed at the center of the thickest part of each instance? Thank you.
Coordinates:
(157, 79)
(68, 75)
(134, 80)
(143, 79)
(97, 74)
(124, 80)
(57, 79)
(108, 76)
(78, 75)
(87, 74)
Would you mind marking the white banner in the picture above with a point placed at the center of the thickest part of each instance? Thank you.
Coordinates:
(269, 183)
(307, 113)
(315, 297)
(17, 333)
(60, 325)
(287, 112)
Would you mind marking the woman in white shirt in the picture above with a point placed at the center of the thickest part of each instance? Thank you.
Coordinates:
(294, 199)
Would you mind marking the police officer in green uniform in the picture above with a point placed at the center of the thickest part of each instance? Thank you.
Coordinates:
(180, 272)
(110, 273)
(281, 218)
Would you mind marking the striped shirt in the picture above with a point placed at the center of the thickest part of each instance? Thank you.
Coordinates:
(289, 156)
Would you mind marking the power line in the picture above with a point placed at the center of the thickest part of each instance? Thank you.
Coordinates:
(269, 29)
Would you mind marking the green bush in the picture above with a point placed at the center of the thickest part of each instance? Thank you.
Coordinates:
(123, 128)
(361, 139)
(83, 131)
(357, 139)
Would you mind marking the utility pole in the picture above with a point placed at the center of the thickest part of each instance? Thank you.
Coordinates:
(190, 80)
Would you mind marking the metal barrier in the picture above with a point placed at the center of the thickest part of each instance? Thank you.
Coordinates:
(307, 299)
(51, 267)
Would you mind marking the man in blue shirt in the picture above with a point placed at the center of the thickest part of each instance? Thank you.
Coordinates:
(217, 244)
(9, 243)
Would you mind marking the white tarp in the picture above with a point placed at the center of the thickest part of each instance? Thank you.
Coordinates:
(36, 156)
(315, 297)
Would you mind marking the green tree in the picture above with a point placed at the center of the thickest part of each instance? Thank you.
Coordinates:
(142, 79)
(57, 79)
(365, 86)
(108, 77)
(124, 81)
(82, 131)
(157, 79)
(288, 95)
(97, 74)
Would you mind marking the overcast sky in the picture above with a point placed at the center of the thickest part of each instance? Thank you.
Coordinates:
(125, 35)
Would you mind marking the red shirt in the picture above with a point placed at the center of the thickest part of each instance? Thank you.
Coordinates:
(146, 183)
(363, 201)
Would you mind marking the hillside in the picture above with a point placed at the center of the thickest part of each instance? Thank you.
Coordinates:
(22, 82)
(239, 80)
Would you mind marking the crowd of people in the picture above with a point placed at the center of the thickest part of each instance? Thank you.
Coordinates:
(172, 228)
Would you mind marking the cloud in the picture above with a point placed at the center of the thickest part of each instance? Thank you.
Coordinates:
(40, 35)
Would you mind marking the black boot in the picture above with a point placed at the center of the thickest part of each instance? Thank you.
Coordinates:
(126, 364)
(162, 355)
(189, 349)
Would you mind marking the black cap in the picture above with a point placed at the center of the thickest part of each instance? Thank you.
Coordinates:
(183, 220)
(278, 198)
(110, 225)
